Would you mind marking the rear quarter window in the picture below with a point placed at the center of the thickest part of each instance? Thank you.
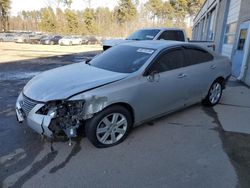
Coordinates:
(197, 56)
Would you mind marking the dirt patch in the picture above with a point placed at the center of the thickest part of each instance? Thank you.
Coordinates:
(14, 52)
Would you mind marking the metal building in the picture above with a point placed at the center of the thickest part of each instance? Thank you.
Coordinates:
(227, 23)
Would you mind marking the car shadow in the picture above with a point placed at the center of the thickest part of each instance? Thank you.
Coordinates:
(20, 146)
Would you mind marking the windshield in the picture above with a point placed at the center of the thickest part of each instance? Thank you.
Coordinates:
(123, 59)
(145, 34)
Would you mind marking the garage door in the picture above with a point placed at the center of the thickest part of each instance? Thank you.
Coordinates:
(231, 28)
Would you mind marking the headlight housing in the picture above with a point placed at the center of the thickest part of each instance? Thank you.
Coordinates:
(62, 108)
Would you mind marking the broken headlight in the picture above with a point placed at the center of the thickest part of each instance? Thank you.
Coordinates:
(62, 108)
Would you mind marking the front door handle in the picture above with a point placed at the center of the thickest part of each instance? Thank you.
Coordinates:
(213, 66)
(182, 75)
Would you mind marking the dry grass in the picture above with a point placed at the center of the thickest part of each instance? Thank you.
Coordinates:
(14, 52)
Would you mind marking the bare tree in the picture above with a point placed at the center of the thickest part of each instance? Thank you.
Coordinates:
(4, 14)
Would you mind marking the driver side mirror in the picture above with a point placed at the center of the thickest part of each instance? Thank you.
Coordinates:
(153, 76)
(87, 60)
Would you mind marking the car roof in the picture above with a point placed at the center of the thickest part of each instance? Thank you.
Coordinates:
(162, 28)
(162, 44)
(154, 44)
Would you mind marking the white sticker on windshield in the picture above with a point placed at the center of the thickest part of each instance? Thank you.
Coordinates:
(149, 36)
(147, 51)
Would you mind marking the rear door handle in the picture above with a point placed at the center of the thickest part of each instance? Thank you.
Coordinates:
(182, 75)
(213, 66)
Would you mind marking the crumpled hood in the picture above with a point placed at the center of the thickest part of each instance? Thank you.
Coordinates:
(115, 42)
(63, 82)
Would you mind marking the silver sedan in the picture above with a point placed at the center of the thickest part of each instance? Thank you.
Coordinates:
(123, 87)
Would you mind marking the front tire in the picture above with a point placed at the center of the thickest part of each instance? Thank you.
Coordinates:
(214, 94)
(109, 127)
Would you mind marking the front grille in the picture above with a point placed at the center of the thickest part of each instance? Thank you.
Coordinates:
(27, 104)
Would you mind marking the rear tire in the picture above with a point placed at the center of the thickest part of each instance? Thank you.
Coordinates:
(109, 127)
(214, 94)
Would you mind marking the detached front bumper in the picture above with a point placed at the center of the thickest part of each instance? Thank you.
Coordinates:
(39, 123)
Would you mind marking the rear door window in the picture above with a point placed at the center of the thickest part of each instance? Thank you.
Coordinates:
(170, 60)
(197, 56)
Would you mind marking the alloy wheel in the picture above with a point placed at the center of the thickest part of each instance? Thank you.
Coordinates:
(215, 93)
(111, 128)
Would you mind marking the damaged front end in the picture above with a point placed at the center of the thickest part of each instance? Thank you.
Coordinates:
(58, 118)
(65, 116)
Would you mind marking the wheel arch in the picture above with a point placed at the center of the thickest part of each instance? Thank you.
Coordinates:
(126, 106)
(222, 80)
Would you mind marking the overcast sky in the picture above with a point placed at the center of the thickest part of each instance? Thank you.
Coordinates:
(19, 5)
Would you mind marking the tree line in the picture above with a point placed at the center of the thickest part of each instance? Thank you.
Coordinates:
(126, 17)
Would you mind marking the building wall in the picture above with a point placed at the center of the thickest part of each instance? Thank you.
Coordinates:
(244, 11)
(220, 24)
(206, 21)
(229, 16)
(245, 16)
(228, 12)
(231, 27)
(246, 78)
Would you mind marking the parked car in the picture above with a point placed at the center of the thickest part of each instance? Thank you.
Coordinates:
(7, 37)
(19, 39)
(90, 40)
(36, 39)
(24, 38)
(123, 87)
(51, 40)
(156, 34)
(70, 40)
